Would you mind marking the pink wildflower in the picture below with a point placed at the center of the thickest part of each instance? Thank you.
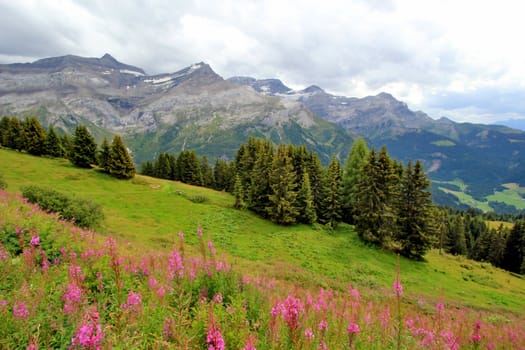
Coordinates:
(353, 328)
(323, 326)
(397, 288)
(440, 307)
(181, 235)
(217, 298)
(35, 241)
(250, 343)
(215, 340)
(309, 334)
(72, 297)
(20, 310)
(3, 254)
(476, 335)
(291, 311)
(89, 333)
(32, 347)
(134, 302)
(199, 231)
(211, 248)
(169, 326)
(175, 266)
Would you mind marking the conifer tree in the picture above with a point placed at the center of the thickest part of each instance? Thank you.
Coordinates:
(207, 173)
(305, 200)
(67, 146)
(515, 248)
(53, 146)
(283, 198)
(120, 164)
(222, 172)
(147, 168)
(374, 206)
(163, 166)
(331, 205)
(84, 148)
(15, 135)
(351, 177)
(34, 137)
(4, 128)
(455, 242)
(238, 193)
(258, 197)
(189, 168)
(416, 231)
(104, 155)
(174, 170)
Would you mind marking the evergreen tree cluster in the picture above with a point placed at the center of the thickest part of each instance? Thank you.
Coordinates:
(188, 168)
(28, 135)
(466, 233)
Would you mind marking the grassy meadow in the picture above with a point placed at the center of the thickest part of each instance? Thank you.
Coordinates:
(175, 267)
(148, 213)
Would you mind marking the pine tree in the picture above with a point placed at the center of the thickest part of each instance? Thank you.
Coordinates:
(238, 193)
(456, 243)
(104, 155)
(84, 148)
(163, 166)
(53, 146)
(283, 198)
(351, 177)
(4, 131)
(67, 145)
(189, 168)
(147, 168)
(207, 173)
(15, 135)
(376, 190)
(414, 213)
(222, 172)
(332, 203)
(515, 248)
(305, 200)
(260, 190)
(120, 164)
(34, 137)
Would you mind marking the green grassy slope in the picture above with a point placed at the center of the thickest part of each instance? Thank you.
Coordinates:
(150, 212)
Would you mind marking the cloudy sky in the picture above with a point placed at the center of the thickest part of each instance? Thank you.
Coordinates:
(461, 59)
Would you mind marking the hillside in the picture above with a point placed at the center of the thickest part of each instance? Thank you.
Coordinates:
(150, 212)
(195, 108)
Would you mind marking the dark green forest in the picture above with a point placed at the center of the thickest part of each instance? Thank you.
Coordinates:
(388, 202)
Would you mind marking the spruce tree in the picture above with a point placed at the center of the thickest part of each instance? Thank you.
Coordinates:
(120, 164)
(189, 168)
(53, 146)
(163, 166)
(15, 135)
(456, 243)
(283, 183)
(238, 193)
(67, 146)
(34, 137)
(84, 148)
(104, 155)
(258, 197)
(4, 128)
(332, 202)
(305, 200)
(147, 168)
(515, 248)
(416, 231)
(376, 190)
(351, 177)
(222, 172)
(207, 173)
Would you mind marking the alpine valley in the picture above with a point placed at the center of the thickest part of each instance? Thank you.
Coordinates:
(470, 165)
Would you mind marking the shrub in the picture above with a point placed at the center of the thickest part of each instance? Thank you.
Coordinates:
(85, 213)
(198, 198)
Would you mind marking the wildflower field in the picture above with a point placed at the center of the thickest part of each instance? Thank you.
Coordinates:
(62, 287)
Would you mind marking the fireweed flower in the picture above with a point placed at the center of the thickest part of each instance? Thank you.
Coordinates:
(309, 334)
(134, 302)
(20, 310)
(215, 340)
(397, 287)
(175, 265)
(89, 334)
(35, 241)
(72, 297)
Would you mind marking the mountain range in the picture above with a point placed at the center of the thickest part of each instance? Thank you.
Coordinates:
(195, 108)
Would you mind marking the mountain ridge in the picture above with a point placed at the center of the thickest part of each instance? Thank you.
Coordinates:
(196, 108)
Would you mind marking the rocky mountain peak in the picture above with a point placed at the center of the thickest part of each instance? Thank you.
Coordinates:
(312, 89)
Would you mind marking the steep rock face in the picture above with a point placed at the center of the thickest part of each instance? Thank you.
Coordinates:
(193, 106)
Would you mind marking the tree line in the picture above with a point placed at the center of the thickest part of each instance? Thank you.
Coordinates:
(81, 149)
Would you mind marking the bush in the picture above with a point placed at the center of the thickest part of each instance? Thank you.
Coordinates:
(85, 213)
(198, 198)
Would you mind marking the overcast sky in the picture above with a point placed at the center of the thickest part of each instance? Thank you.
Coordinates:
(461, 59)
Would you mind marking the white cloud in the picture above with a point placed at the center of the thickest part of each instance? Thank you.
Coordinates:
(416, 50)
